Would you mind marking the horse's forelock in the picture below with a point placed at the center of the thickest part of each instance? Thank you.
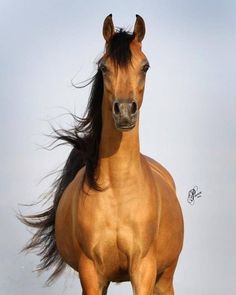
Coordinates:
(118, 48)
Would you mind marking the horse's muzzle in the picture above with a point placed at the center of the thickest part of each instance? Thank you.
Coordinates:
(125, 113)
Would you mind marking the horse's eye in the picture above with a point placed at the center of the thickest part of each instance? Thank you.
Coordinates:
(145, 68)
(103, 68)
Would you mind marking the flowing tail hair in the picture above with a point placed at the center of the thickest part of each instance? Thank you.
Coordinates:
(84, 138)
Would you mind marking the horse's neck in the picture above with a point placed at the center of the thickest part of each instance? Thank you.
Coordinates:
(119, 153)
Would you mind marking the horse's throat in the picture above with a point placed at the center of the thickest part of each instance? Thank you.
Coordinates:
(119, 154)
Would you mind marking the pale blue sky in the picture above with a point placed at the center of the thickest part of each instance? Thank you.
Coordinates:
(188, 121)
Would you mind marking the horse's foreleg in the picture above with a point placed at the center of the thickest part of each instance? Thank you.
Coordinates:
(91, 282)
(143, 276)
(164, 284)
(104, 291)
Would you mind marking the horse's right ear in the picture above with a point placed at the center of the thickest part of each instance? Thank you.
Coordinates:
(108, 28)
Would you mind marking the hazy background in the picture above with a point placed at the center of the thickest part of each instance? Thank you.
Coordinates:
(188, 122)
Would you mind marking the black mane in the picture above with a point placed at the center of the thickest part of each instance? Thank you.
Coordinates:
(84, 138)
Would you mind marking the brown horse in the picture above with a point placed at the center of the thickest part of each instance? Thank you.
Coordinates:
(115, 215)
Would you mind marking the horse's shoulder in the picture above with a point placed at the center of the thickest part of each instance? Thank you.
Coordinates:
(161, 170)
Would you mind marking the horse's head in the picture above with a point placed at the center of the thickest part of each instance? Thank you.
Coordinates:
(124, 68)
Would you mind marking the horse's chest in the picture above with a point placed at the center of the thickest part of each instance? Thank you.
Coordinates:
(123, 227)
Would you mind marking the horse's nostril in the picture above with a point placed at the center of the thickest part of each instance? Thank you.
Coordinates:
(116, 108)
(134, 107)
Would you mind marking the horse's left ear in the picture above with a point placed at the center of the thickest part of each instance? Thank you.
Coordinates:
(108, 28)
(139, 28)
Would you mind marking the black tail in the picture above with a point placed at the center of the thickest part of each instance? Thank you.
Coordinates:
(44, 238)
(85, 139)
